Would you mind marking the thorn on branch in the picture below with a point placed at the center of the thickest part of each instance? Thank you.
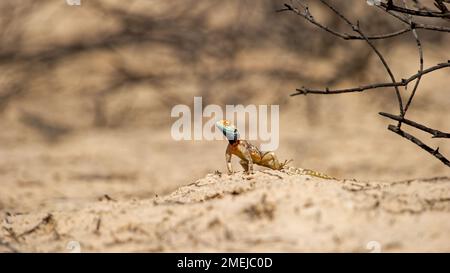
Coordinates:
(308, 14)
(389, 5)
(300, 91)
(356, 27)
(436, 151)
(289, 7)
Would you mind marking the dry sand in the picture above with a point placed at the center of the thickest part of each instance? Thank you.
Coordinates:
(267, 211)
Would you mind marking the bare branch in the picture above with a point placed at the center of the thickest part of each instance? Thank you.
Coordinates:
(417, 25)
(357, 29)
(434, 132)
(390, 6)
(420, 52)
(308, 16)
(403, 82)
(418, 142)
(404, 15)
(441, 6)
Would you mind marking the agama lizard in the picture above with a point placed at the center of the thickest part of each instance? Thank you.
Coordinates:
(250, 154)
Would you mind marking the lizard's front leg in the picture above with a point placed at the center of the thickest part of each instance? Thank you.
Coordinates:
(228, 160)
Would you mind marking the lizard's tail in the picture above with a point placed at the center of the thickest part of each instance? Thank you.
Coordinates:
(317, 174)
(293, 170)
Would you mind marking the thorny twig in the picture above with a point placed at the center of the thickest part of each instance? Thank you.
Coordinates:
(420, 50)
(406, 16)
(434, 132)
(424, 13)
(418, 142)
(403, 82)
(308, 16)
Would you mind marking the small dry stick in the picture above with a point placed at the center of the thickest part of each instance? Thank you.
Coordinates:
(435, 133)
(418, 142)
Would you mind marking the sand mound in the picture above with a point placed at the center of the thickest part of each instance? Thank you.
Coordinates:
(268, 211)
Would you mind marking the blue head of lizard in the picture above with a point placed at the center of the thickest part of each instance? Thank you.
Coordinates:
(230, 132)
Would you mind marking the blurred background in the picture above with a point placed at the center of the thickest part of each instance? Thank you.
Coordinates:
(86, 93)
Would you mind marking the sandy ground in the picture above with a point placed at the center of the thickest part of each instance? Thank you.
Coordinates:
(267, 211)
